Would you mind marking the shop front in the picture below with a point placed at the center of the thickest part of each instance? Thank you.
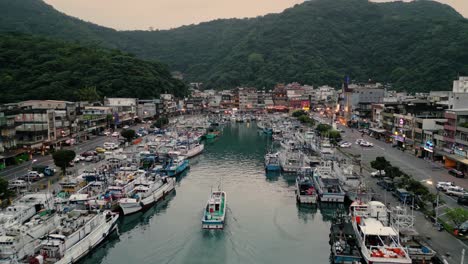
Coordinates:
(457, 159)
(426, 150)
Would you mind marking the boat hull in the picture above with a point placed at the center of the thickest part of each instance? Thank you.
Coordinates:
(83, 247)
(306, 199)
(132, 206)
(178, 170)
(212, 224)
(272, 167)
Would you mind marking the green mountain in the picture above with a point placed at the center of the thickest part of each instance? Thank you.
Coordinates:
(417, 46)
(40, 68)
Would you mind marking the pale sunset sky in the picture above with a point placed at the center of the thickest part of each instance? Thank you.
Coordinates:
(165, 14)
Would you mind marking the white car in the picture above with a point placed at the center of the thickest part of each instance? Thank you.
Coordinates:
(115, 134)
(366, 144)
(107, 133)
(89, 158)
(359, 141)
(443, 186)
(345, 145)
(126, 127)
(17, 184)
(456, 191)
(378, 173)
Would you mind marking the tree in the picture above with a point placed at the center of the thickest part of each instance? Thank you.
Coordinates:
(392, 171)
(5, 193)
(457, 215)
(89, 94)
(161, 122)
(380, 164)
(299, 113)
(323, 128)
(63, 158)
(334, 136)
(128, 134)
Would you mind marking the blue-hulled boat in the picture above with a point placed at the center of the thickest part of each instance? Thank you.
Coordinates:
(177, 165)
(272, 162)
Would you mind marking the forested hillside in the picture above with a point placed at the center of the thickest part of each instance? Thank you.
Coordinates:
(416, 46)
(40, 68)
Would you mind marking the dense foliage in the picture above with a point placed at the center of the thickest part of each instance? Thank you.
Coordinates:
(128, 134)
(39, 68)
(63, 158)
(418, 46)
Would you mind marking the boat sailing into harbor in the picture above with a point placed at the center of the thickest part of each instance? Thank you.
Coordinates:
(215, 211)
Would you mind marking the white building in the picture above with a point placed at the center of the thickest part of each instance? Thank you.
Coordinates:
(459, 97)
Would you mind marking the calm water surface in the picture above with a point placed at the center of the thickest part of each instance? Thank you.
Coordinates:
(264, 224)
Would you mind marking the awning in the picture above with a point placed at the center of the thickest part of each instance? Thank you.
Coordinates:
(378, 130)
(13, 153)
(457, 158)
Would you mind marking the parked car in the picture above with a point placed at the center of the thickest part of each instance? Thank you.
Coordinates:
(456, 191)
(17, 184)
(107, 133)
(457, 173)
(443, 186)
(126, 127)
(463, 200)
(33, 176)
(89, 158)
(45, 169)
(359, 141)
(378, 173)
(462, 230)
(115, 134)
(387, 184)
(345, 144)
(88, 153)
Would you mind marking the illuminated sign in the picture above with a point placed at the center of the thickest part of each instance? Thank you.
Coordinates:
(429, 146)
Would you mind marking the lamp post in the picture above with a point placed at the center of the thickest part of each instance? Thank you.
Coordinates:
(29, 178)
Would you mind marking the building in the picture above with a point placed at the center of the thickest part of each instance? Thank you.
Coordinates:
(248, 99)
(459, 95)
(124, 110)
(34, 128)
(455, 139)
(147, 109)
(280, 96)
(7, 131)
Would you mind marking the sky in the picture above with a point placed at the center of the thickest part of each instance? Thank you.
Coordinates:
(165, 14)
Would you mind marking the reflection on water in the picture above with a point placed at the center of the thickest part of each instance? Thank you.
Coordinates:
(263, 222)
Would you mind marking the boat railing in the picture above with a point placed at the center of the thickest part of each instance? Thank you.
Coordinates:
(387, 252)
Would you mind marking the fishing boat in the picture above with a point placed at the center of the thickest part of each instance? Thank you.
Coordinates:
(305, 190)
(215, 211)
(403, 222)
(79, 232)
(146, 193)
(379, 243)
(343, 242)
(176, 166)
(272, 162)
(191, 150)
(290, 161)
(328, 187)
(20, 240)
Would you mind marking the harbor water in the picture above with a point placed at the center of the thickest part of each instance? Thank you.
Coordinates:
(264, 224)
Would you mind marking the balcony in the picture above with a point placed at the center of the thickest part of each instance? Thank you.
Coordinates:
(449, 139)
(461, 141)
(450, 115)
(449, 127)
(462, 129)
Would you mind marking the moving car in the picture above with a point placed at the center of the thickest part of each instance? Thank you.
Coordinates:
(378, 173)
(345, 144)
(17, 184)
(359, 141)
(126, 127)
(107, 133)
(115, 134)
(89, 158)
(366, 144)
(443, 186)
(456, 191)
(100, 150)
(456, 173)
(33, 176)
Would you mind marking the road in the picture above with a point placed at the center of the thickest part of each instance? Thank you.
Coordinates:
(20, 170)
(427, 172)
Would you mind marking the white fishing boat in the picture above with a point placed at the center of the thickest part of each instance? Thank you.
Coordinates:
(146, 193)
(290, 161)
(305, 189)
(21, 240)
(79, 232)
(379, 243)
(24, 208)
(190, 150)
(215, 211)
(328, 187)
